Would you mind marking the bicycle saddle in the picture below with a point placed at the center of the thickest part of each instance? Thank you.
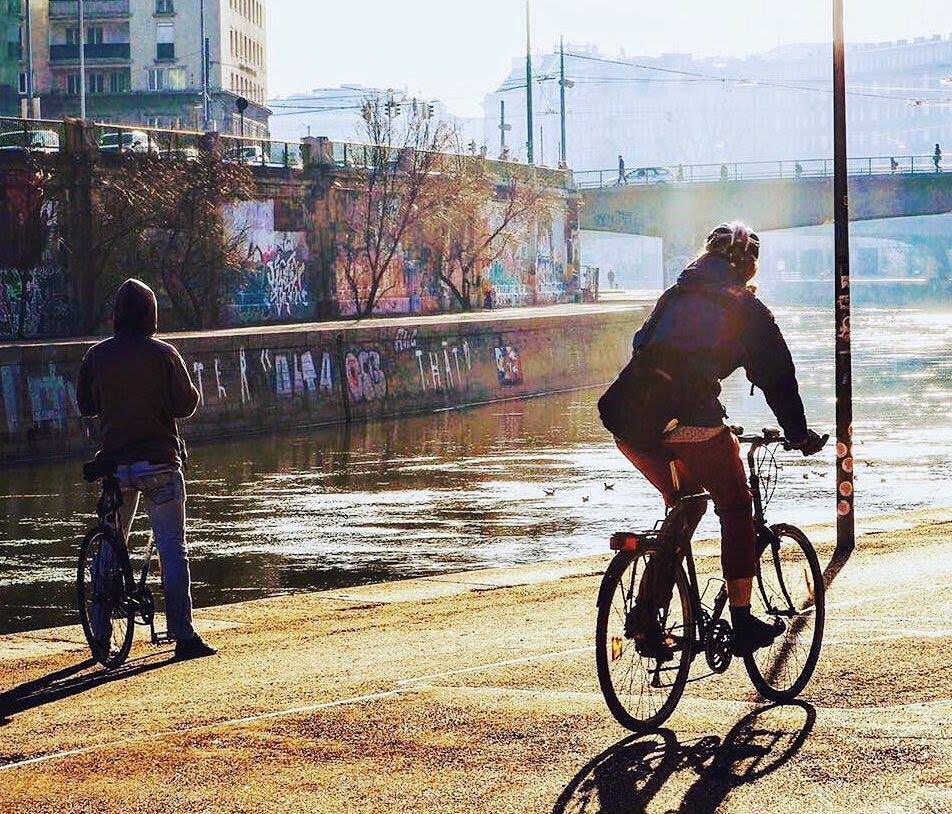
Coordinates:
(94, 470)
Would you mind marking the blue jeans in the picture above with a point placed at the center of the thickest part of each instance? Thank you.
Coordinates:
(162, 487)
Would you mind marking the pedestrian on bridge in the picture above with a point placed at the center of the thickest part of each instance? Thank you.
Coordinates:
(622, 179)
(937, 159)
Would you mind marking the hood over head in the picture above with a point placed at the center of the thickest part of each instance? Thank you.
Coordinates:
(136, 310)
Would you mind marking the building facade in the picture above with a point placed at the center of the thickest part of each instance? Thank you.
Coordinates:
(144, 61)
(677, 109)
(336, 113)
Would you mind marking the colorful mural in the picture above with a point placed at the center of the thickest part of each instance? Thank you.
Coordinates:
(275, 284)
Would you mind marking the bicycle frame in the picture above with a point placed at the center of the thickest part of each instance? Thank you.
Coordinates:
(108, 506)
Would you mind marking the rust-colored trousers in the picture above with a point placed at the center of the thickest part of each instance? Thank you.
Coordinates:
(714, 465)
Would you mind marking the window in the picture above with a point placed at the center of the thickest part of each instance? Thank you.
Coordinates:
(157, 79)
(72, 36)
(164, 42)
(22, 83)
(96, 82)
(94, 35)
(72, 83)
(119, 82)
(164, 7)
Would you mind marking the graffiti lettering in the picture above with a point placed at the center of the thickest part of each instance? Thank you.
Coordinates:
(222, 393)
(327, 379)
(52, 398)
(243, 376)
(405, 340)
(9, 383)
(508, 366)
(198, 367)
(365, 379)
(282, 376)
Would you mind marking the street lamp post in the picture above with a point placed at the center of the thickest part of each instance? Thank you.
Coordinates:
(845, 521)
(204, 73)
(82, 60)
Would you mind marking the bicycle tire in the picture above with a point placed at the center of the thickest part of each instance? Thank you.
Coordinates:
(112, 653)
(766, 666)
(610, 581)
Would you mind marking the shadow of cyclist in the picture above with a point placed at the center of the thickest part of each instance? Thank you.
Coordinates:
(73, 680)
(629, 774)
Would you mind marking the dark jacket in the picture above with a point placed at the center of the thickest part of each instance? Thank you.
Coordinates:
(136, 384)
(707, 326)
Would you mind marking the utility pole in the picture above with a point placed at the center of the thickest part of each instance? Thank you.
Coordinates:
(82, 60)
(562, 162)
(845, 519)
(28, 26)
(529, 155)
(204, 51)
(503, 127)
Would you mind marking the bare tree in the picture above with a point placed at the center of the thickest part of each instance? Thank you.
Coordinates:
(368, 213)
(487, 208)
(160, 218)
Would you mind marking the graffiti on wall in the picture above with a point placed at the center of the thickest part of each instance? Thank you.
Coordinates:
(399, 291)
(508, 365)
(446, 368)
(274, 285)
(52, 399)
(551, 260)
(366, 380)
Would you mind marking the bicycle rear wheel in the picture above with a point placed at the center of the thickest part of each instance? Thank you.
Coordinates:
(641, 690)
(788, 585)
(106, 614)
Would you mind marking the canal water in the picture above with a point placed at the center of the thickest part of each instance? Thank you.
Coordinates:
(274, 514)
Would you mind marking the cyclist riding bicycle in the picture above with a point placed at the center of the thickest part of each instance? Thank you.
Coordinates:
(138, 386)
(664, 412)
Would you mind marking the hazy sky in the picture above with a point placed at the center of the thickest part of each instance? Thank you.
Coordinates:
(458, 51)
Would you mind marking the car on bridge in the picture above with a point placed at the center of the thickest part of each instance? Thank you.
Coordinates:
(127, 141)
(33, 141)
(648, 175)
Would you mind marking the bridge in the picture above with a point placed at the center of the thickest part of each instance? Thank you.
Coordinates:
(769, 195)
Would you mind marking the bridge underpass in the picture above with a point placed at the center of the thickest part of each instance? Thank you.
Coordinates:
(681, 214)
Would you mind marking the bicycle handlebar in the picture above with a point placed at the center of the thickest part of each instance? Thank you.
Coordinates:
(768, 435)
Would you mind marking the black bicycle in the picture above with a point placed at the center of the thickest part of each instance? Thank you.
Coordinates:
(643, 680)
(111, 601)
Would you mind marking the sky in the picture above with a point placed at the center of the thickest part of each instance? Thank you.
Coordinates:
(458, 51)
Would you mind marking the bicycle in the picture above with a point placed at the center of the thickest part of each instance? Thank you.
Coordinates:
(642, 685)
(108, 596)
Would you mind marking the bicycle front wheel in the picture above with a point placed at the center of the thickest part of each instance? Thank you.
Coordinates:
(106, 614)
(641, 687)
(788, 585)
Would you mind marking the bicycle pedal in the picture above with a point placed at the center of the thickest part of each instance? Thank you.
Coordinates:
(162, 637)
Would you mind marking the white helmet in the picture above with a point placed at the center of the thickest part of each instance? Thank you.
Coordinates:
(735, 241)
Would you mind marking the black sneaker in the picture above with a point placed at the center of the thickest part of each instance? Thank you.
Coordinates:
(752, 633)
(194, 648)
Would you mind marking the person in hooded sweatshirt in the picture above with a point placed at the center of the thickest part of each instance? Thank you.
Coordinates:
(701, 330)
(138, 386)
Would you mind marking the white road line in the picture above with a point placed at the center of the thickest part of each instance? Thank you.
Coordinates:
(404, 686)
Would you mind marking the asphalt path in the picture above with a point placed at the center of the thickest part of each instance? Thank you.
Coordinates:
(477, 692)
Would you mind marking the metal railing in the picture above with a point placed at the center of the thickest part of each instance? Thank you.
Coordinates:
(754, 170)
(92, 9)
(49, 137)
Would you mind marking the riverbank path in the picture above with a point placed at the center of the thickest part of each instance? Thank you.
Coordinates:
(477, 692)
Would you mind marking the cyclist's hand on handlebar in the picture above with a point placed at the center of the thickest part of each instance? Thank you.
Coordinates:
(811, 444)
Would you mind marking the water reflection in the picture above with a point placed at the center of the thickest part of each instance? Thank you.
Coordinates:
(457, 490)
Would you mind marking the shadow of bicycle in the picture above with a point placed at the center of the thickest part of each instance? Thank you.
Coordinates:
(631, 773)
(73, 680)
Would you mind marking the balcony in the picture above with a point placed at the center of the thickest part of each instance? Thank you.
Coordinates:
(98, 52)
(92, 9)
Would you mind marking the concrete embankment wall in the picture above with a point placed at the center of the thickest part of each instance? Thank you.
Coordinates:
(299, 376)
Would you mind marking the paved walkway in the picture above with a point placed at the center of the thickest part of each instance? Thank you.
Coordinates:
(616, 302)
(476, 692)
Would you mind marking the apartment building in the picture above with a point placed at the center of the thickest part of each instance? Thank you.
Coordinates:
(144, 61)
